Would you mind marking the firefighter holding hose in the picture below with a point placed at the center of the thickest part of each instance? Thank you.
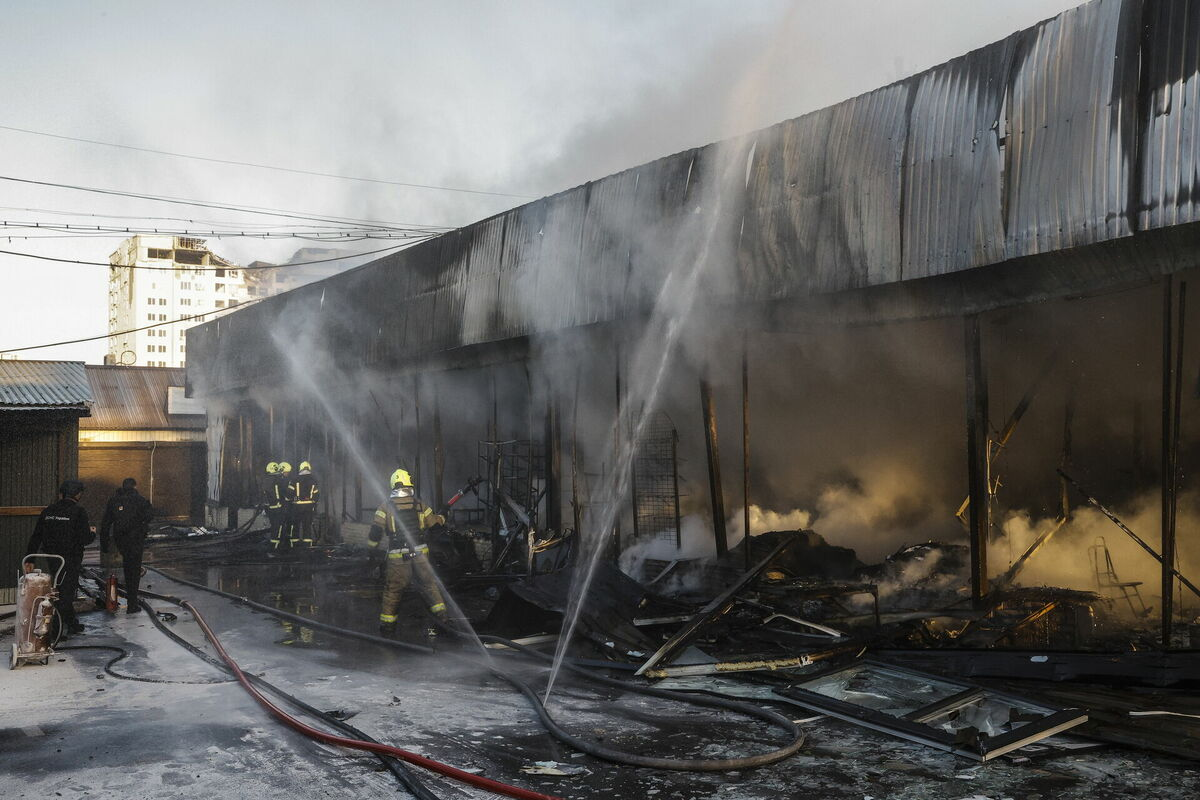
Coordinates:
(404, 520)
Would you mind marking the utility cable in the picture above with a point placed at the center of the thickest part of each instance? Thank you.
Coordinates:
(598, 751)
(275, 168)
(241, 209)
(132, 330)
(190, 268)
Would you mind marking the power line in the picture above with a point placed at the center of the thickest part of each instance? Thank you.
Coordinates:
(190, 268)
(243, 209)
(193, 221)
(264, 166)
(334, 234)
(132, 330)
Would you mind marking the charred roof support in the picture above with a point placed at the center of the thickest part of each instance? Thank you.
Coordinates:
(714, 466)
(978, 478)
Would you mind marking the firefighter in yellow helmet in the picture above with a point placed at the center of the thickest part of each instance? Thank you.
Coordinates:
(273, 493)
(283, 486)
(398, 535)
(303, 493)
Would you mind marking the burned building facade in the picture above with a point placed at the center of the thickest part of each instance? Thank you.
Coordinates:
(969, 284)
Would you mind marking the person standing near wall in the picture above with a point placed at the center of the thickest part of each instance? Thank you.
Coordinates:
(304, 492)
(283, 490)
(62, 529)
(125, 524)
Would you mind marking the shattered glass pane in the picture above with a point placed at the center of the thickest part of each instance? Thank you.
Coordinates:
(987, 715)
(881, 689)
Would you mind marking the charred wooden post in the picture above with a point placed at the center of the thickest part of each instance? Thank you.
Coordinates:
(1173, 340)
(977, 459)
(746, 451)
(439, 455)
(553, 445)
(714, 466)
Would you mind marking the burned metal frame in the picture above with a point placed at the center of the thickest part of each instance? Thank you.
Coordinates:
(715, 608)
(913, 725)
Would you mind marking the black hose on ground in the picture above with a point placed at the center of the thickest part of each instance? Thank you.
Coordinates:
(598, 751)
(404, 776)
(122, 653)
(310, 623)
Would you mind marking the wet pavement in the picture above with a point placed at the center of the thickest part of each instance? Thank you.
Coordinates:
(66, 732)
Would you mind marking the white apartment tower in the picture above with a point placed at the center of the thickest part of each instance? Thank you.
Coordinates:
(188, 280)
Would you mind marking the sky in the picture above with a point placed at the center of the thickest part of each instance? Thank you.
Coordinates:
(521, 99)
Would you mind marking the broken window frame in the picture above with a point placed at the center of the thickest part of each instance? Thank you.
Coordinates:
(912, 726)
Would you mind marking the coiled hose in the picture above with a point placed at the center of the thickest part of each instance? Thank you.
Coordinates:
(552, 727)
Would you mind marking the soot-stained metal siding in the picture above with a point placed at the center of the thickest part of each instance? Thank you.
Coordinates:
(1059, 137)
(1170, 143)
(1072, 117)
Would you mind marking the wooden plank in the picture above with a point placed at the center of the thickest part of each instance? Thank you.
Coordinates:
(20, 511)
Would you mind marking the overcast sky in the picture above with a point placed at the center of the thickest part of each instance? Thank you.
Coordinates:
(525, 98)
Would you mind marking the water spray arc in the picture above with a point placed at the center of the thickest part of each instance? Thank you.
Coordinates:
(654, 354)
(302, 375)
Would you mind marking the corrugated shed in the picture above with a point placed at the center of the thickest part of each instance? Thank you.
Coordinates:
(1170, 146)
(1046, 141)
(135, 398)
(42, 385)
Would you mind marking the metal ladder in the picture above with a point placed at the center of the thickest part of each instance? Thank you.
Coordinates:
(1108, 582)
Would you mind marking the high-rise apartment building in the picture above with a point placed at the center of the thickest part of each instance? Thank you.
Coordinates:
(187, 280)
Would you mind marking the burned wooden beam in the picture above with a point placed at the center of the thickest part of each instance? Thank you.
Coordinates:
(714, 467)
(715, 608)
(978, 479)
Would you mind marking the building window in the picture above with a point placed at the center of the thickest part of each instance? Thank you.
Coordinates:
(155, 252)
(219, 288)
(220, 304)
(233, 273)
(220, 273)
(162, 301)
(149, 301)
(150, 317)
(232, 303)
(149, 348)
(193, 257)
(185, 301)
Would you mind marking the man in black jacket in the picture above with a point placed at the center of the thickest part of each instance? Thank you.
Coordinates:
(126, 523)
(62, 529)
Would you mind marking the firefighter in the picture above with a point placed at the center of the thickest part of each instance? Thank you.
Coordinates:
(125, 524)
(303, 494)
(283, 486)
(62, 529)
(404, 520)
(273, 501)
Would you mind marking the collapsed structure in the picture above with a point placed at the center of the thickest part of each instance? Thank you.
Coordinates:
(1037, 200)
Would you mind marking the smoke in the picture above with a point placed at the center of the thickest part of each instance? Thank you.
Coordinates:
(1070, 558)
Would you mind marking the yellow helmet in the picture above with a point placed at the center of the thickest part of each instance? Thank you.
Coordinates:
(284, 467)
(272, 468)
(305, 468)
(401, 478)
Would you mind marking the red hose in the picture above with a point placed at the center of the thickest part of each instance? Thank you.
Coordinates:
(356, 744)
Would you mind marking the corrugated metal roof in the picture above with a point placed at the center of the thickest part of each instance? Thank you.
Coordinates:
(43, 385)
(1049, 140)
(135, 398)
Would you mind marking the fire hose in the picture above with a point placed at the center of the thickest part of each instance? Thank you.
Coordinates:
(361, 742)
(597, 751)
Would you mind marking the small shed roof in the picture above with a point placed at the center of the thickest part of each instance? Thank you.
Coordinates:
(135, 398)
(44, 386)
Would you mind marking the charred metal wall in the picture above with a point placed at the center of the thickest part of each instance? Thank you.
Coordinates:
(1079, 131)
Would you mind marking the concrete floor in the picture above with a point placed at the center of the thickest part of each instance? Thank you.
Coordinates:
(69, 730)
